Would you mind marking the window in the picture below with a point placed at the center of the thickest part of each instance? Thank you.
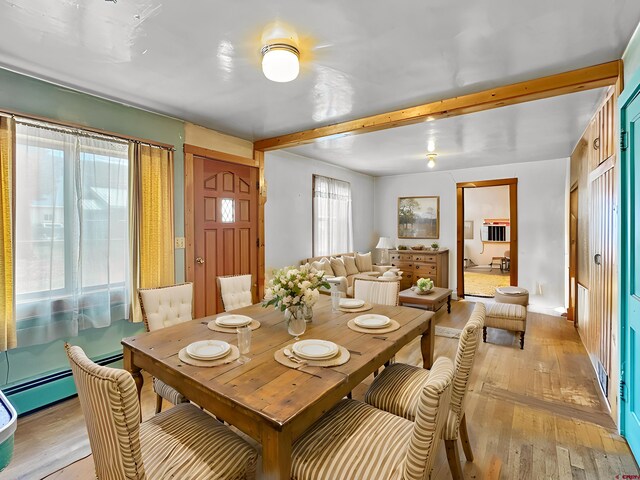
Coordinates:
(332, 225)
(228, 210)
(71, 248)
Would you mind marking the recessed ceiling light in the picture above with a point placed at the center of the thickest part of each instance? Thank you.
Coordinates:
(280, 62)
(431, 160)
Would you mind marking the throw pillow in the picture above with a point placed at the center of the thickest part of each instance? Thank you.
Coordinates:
(338, 267)
(350, 265)
(363, 262)
(325, 265)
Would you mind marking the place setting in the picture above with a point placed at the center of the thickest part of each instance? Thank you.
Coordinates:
(230, 323)
(209, 353)
(312, 353)
(373, 323)
(353, 305)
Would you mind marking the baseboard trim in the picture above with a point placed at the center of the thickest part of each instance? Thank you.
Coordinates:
(41, 392)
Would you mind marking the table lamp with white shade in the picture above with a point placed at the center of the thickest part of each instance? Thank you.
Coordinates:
(385, 244)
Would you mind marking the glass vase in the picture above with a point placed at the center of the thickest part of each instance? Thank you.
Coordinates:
(307, 313)
(294, 320)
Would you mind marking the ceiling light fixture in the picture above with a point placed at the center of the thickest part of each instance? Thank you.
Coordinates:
(280, 62)
(431, 160)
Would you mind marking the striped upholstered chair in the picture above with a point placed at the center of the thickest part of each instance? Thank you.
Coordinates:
(397, 390)
(183, 442)
(377, 290)
(354, 440)
(162, 307)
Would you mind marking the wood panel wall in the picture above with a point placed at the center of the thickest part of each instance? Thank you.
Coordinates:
(593, 171)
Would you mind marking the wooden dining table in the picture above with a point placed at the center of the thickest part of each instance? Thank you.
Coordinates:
(270, 402)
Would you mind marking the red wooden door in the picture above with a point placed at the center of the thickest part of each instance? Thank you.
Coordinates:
(226, 228)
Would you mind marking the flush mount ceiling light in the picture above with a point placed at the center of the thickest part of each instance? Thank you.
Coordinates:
(280, 62)
(431, 160)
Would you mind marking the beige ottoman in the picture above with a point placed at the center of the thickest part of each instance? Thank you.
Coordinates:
(506, 316)
(515, 295)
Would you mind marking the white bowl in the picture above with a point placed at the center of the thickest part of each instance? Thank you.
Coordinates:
(351, 303)
(372, 320)
(208, 349)
(233, 321)
(315, 349)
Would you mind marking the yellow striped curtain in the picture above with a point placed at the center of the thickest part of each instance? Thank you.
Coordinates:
(150, 220)
(7, 150)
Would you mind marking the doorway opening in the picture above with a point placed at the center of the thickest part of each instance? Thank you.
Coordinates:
(487, 241)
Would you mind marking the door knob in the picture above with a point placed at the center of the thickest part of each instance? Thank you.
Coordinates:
(199, 260)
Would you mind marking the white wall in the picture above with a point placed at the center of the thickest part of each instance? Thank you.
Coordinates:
(288, 218)
(631, 56)
(481, 203)
(541, 218)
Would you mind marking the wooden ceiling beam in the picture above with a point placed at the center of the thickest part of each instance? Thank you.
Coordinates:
(583, 79)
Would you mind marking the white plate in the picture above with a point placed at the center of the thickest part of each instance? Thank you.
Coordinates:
(351, 303)
(208, 349)
(372, 320)
(233, 321)
(315, 349)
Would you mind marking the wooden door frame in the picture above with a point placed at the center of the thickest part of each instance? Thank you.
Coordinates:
(191, 151)
(572, 310)
(512, 183)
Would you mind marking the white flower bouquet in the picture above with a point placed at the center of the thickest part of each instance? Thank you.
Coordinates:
(294, 287)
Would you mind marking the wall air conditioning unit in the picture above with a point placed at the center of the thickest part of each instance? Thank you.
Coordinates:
(495, 230)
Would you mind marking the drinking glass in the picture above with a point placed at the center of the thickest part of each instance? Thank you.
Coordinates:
(297, 324)
(336, 295)
(244, 343)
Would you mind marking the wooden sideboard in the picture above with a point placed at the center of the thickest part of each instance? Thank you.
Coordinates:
(417, 264)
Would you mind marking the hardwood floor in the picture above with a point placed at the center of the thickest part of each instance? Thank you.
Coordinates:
(532, 413)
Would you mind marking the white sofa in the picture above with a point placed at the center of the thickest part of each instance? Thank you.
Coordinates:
(343, 268)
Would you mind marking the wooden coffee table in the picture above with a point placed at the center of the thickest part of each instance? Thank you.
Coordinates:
(432, 301)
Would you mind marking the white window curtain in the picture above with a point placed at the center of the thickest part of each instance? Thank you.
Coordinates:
(71, 232)
(332, 224)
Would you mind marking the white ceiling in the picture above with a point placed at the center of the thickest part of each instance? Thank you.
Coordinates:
(199, 60)
(540, 130)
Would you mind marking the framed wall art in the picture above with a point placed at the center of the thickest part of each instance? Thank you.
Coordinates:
(419, 217)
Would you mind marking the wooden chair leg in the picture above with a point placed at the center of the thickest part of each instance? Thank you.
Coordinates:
(464, 436)
(158, 403)
(454, 459)
(521, 340)
(484, 334)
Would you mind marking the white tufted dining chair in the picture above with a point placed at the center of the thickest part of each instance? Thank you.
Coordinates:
(235, 291)
(163, 307)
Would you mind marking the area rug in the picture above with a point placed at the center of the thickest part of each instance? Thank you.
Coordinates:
(483, 284)
(447, 332)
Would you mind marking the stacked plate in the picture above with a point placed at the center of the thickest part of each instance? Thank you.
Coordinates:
(208, 350)
(351, 303)
(315, 349)
(233, 321)
(372, 321)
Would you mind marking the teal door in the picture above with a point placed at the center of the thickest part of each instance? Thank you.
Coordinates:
(630, 264)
